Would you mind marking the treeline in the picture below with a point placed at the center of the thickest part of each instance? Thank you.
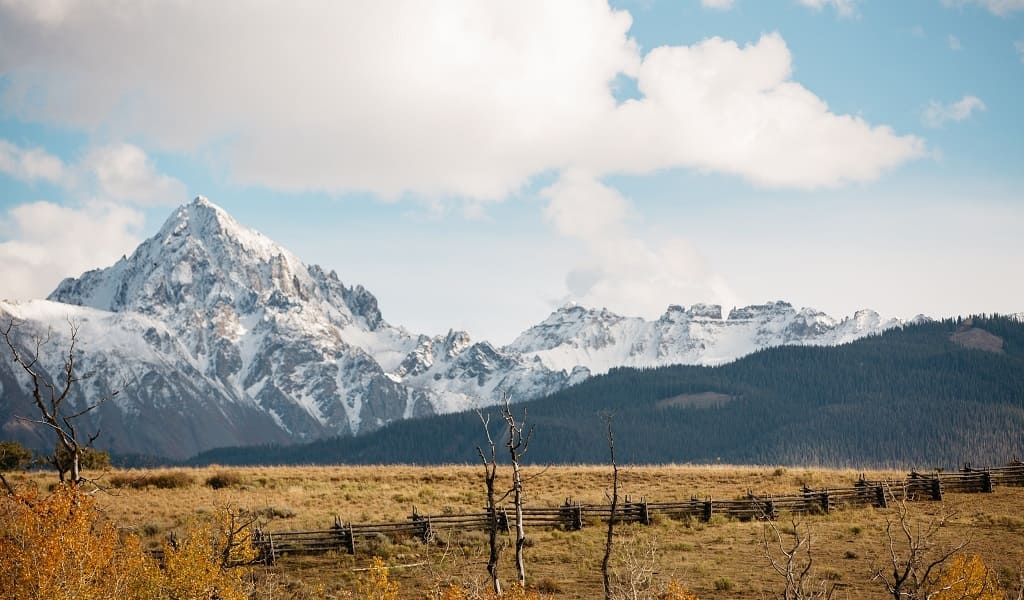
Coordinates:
(909, 397)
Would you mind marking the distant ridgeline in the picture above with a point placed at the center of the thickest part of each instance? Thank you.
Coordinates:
(931, 394)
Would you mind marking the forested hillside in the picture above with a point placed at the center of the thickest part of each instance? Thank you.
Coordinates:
(911, 397)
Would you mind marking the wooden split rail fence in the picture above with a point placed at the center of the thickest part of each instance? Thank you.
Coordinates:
(342, 537)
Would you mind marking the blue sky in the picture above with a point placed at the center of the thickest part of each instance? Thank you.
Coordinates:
(476, 165)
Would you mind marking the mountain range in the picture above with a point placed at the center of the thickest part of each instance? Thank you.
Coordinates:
(214, 335)
(930, 394)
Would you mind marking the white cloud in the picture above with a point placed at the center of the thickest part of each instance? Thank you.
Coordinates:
(623, 271)
(953, 42)
(996, 7)
(845, 8)
(43, 242)
(458, 98)
(123, 172)
(580, 207)
(716, 106)
(28, 164)
(718, 4)
(937, 114)
(112, 172)
(47, 242)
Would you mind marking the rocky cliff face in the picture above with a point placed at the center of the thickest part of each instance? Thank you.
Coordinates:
(218, 336)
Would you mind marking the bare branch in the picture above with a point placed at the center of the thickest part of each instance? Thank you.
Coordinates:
(49, 397)
(796, 563)
(915, 557)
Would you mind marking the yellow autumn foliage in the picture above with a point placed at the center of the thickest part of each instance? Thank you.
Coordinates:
(194, 567)
(58, 546)
(966, 577)
(676, 591)
(53, 546)
(375, 583)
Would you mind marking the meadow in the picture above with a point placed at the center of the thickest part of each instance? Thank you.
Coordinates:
(723, 558)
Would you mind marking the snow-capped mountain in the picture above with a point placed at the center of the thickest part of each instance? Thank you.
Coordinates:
(598, 340)
(218, 336)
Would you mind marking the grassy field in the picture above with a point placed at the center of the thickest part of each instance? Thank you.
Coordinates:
(720, 559)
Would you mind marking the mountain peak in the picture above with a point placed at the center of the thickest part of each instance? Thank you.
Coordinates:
(201, 257)
(203, 219)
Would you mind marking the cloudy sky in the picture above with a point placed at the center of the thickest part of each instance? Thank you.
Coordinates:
(478, 164)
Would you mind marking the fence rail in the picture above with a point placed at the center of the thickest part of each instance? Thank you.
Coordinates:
(342, 537)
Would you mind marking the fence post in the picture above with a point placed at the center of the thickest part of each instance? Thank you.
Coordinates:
(351, 540)
(344, 534)
(880, 500)
(824, 500)
(645, 514)
(572, 514)
(808, 495)
(936, 488)
(264, 544)
(428, 530)
(986, 480)
(706, 516)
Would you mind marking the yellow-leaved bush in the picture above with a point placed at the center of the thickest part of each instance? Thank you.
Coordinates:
(966, 577)
(195, 565)
(58, 545)
(375, 584)
(676, 591)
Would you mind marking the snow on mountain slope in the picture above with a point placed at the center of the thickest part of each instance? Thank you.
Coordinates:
(165, 406)
(260, 329)
(599, 340)
(222, 337)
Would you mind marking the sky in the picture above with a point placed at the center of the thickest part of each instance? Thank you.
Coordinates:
(478, 164)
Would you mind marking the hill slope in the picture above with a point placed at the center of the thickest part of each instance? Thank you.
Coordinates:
(913, 396)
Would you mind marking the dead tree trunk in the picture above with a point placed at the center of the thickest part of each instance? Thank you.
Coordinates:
(611, 517)
(49, 396)
(518, 443)
(490, 462)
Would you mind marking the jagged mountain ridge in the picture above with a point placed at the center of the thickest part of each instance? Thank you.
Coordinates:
(224, 337)
(599, 340)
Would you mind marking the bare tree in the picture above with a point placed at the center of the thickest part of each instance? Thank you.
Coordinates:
(236, 531)
(791, 555)
(635, 576)
(49, 395)
(605, 578)
(915, 554)
(518, 443)
(490, 462)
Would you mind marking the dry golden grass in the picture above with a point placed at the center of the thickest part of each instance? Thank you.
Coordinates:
(722, 559)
